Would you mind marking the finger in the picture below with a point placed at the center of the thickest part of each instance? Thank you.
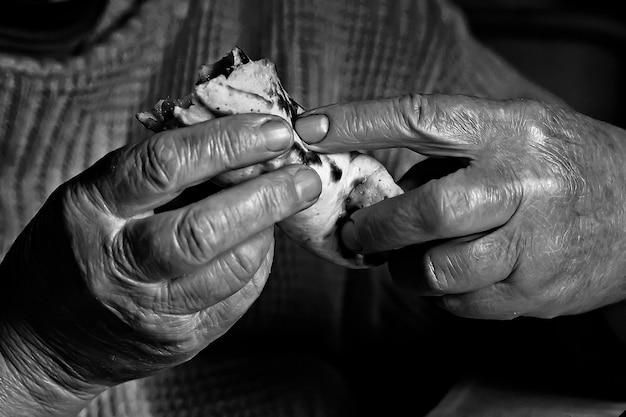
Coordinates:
(433, 125)
(175, 243)
(456, 266)
(223, 315)
(211, 323)
(141, 177)
(220, 279)
(465, 202)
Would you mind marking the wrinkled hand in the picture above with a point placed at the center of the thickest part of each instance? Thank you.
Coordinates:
(533, 224)
(101, 288)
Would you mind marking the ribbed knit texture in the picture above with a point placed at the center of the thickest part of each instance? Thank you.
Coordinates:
(59, 117)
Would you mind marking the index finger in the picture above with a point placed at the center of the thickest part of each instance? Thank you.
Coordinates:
(145, 175)
(434, 125)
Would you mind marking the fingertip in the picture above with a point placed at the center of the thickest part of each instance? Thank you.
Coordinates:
(308, 184)
(277, 134)
(313, 128)
(348, 237)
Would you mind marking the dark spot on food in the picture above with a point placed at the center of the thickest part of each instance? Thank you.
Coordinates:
(224, 66)
(312, 158)
(286, 106)
(348, 208)
(358, 182)
(335, 172)
(165, 112)
(242, 56)
(184, 102)
(219, 113)
(308, 157)
(167, 109)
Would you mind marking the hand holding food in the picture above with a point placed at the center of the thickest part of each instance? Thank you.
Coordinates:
(532, 225)
(350, 180)
(105, 286)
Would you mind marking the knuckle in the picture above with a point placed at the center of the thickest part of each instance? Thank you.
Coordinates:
(276, 195)
(536, 131)
(540, 123)
(241, 263)
(228, 145)
(120, 256)
(448, 208)
(493, 250)
(158, 162)
(82, 196)
(414, 113)
(197, 235)
(440, 115)
(352, 122)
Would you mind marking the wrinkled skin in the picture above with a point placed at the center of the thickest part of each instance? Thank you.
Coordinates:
(234, 85)
(101, 288)
(532, 224)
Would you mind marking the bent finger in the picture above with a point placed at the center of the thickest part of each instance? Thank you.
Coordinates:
(174, 243)
(456, 266)
(463, 203)
(222, 316)
(146, 175)
(220, 279)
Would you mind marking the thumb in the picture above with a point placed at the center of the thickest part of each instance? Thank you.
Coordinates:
(432, 125)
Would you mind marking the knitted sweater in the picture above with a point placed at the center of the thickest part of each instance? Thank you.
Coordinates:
(58, 116)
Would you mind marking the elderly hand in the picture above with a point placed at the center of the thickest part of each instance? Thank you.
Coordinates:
(533, 224)
(100, 288)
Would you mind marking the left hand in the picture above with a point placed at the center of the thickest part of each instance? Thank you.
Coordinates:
(534, 224)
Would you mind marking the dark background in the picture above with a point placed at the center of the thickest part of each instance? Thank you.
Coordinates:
(576, 49)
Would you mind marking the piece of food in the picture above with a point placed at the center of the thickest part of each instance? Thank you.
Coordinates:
(235, 84)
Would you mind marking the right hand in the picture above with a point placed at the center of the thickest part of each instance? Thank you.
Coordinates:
(100, 289)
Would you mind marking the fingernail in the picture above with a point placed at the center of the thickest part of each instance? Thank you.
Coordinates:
(308, 184)
(277, 135)
(348, 237)
(312, 129)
